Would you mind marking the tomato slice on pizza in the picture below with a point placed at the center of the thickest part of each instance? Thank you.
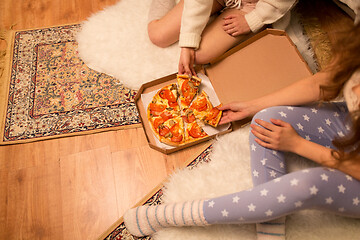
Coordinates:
(189, 116)
(171, 131)
(188, 88)
(201, 106)
(194, 132)
(203, 110)
(213, 116)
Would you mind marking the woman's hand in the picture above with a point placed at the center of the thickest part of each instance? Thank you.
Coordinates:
(235, 25)
(187, 60)
(234, 111)
(277, 135)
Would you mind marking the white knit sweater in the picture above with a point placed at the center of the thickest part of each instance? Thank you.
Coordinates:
(352, 100)
(196, 14)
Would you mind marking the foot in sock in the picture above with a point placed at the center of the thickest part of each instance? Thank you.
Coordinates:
(146, 220)
(272, 230)
(159, 8)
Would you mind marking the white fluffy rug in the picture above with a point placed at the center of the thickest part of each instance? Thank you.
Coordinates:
(115, 41)
(229, 171)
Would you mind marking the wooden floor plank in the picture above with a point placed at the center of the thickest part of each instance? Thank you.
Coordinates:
(25, 14)
(137, 171)
(3, 202)
(130, 138)
(140, 170)
(19, 156)
(34, 203)
(72, 145)
(89, 204)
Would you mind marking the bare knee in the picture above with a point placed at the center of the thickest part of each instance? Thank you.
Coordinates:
(204, 57)
(156, 35)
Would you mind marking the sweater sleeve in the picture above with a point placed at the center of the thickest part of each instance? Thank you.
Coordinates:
(268, 12)
(196, 14)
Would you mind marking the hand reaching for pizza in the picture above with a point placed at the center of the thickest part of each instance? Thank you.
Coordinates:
(234, 111)
(186, 62)
(236, 25)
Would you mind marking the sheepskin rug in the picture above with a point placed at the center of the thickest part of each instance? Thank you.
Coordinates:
(115, 41)
(229, 171)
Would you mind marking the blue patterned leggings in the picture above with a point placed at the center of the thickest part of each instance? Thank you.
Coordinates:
(277, 193)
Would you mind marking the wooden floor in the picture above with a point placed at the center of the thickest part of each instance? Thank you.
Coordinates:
(73, 188)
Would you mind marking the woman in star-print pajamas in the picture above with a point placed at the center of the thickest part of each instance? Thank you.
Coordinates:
(290, 120)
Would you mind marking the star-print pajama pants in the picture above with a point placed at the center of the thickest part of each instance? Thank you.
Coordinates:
(277, 193)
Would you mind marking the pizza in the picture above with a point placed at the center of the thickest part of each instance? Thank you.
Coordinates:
(203, 109)
(171, 131)
(188, 88)
(164, 104)
(194, 132)
(213, 116)
(177, 112)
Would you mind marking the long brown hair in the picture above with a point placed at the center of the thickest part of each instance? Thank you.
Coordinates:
(345, 62)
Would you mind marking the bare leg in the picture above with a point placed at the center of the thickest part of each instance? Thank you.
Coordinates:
(215, 41)
(165, 31)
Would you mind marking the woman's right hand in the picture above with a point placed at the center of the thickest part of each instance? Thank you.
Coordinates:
(186, 62)
(235, 111)
(236, 24)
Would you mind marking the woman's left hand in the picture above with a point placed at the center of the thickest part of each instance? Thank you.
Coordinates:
(236, 25)
(277, 135)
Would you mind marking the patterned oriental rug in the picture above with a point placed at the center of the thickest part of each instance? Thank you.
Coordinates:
(48, 91)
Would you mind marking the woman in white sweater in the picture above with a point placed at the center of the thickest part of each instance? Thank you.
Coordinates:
(187, 21)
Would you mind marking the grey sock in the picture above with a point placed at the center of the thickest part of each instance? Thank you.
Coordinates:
(159, 8)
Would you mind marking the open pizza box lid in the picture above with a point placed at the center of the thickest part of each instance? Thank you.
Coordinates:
(264, 63)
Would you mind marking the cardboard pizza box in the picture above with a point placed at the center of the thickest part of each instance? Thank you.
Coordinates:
(264, 63)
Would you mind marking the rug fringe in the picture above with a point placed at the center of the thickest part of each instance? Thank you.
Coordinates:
(6, 37)
(2, 52)
(4, 56)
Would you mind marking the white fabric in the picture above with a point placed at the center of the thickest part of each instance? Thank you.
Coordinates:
(268, 12)
(355, 6)
(229, 171)
(352, 100)
(195, 16)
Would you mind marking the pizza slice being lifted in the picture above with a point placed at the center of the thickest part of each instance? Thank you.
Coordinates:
(188, 88)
